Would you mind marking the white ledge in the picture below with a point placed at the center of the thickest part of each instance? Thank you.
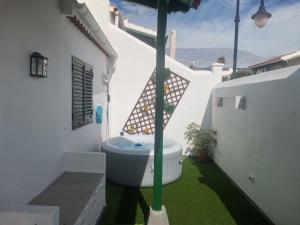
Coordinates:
(29, 215)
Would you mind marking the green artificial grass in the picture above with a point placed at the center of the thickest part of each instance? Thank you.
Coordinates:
(202, 196)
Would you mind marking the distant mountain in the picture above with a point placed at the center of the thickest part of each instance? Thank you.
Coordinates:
(204, 57)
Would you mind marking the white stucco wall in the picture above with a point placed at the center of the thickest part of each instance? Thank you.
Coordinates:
(135, 65)
(101, 12)
(294, 62)
(35, 114)
(263, 140)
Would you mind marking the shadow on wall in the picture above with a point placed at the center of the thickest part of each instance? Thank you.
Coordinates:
(295, 74)
(236, 203)
(206, 121)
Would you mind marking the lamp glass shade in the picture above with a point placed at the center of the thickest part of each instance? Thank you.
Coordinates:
(45, 67)
(260, 21)
(40, 66)
(33, 66)
(261, 16)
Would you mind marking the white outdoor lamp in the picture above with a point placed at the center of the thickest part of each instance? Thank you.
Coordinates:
(261, 16)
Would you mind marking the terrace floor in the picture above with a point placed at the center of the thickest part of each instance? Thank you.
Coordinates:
(202, 196)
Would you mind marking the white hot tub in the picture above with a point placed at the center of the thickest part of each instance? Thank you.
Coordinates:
(130, 160)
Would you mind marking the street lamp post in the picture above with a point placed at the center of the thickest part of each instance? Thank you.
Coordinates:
(260, 18)
(236, 36)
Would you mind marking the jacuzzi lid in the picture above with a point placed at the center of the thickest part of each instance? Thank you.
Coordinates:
(138, 145)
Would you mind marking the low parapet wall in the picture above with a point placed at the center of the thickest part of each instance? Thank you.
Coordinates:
(135, 65)
(258, 124)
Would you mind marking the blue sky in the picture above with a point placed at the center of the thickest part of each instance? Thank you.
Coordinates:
(212, 25)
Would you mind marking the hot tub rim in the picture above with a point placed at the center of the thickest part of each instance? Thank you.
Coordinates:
(105, 146)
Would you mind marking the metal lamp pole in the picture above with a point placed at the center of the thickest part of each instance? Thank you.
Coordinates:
(260, 17)
(236, 36)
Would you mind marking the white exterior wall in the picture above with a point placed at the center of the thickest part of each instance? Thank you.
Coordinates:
(263, 140)
(35, 114)
(135, 65)
(101, 12)
(294, 62)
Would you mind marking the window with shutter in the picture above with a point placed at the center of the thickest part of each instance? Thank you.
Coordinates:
(82, 93)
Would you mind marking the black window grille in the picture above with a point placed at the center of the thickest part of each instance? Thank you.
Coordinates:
(82, 93)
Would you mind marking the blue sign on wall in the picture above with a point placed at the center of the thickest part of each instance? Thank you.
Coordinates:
(99, 114)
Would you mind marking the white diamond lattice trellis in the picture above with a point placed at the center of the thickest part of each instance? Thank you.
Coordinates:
(141, 119)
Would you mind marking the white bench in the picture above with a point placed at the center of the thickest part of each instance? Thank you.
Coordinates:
(76, 197)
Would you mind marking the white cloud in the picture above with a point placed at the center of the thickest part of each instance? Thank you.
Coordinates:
(139, 14)
(280, 35)
(134, 8)
(210, 26)
(232, 3)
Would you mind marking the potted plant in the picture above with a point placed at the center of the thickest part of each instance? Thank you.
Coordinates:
(200, 141)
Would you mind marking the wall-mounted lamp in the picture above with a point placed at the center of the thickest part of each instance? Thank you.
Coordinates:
(38, 65)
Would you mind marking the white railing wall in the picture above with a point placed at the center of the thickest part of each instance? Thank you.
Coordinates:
(259, 146)
(135, 65)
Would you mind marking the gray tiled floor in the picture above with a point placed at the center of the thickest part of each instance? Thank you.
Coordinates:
(70, 192)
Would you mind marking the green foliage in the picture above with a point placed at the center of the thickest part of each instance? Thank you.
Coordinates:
(167, 74)
(200, 139)
(169, 108)
(240, 74)
(202, 196)
(173, 6)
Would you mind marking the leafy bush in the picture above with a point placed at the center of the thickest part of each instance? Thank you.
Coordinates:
(169, 108)
(200, 139)
(240, 74)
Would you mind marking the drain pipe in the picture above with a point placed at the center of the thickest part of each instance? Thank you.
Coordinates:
(108, 112)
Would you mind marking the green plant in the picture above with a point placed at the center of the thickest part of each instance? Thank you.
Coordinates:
(240, 74)
(200, 139)
(169, 108)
